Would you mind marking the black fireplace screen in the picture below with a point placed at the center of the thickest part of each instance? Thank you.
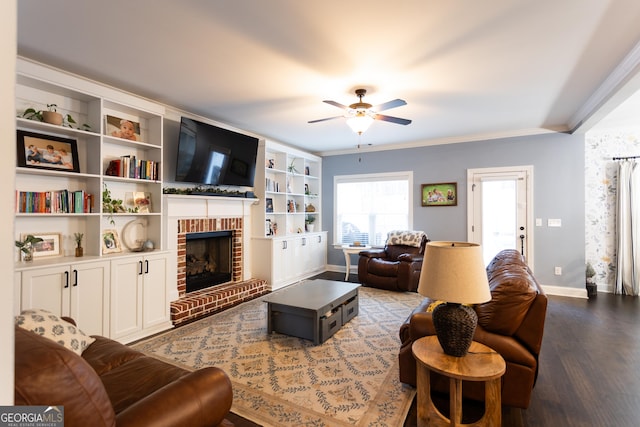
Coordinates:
(209, 259)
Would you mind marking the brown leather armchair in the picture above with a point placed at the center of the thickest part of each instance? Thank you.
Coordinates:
(397, 266)
(512, 324)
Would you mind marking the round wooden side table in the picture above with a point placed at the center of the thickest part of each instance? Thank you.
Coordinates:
(480, 364)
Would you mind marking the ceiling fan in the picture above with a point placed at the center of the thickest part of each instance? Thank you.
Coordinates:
(360, 115)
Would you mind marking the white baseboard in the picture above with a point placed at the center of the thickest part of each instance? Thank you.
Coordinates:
(565, 292)
(340, 268)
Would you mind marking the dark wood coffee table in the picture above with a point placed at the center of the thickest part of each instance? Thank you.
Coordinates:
(312, 310)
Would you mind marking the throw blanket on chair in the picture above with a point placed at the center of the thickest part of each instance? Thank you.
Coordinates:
(404, 237)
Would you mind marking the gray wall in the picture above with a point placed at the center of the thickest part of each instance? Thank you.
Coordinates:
(558, 163)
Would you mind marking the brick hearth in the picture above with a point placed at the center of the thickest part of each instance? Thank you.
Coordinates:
(204, 302)
(213, 300)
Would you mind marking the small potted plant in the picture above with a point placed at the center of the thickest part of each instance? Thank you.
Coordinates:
(592, 287)
(51, 115)
(309, 222)
(292, 166)
(78, 238)
(26, 246)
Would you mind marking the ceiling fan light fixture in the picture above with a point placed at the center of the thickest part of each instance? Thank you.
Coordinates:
(360, 122)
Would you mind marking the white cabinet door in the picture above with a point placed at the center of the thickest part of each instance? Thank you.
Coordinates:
(303, 255)
(318, 253)
(155, 305)
(139, 296)
(90, 307)
(79, 291)
(126, 296)
(46, 288)
(280, 256)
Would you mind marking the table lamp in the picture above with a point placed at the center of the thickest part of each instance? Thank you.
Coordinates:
(454, 272)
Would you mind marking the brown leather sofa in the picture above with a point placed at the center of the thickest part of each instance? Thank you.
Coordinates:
(394, 268)
(512, 323)
(113, 385)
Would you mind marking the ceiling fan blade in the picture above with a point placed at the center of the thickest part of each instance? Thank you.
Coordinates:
(391, 119)
(336, 104)
(388, 105)
(324, 120)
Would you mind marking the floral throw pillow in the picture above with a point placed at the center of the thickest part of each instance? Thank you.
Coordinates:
(47, 324)
(404, 237)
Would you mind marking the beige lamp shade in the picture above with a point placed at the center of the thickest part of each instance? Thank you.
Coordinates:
(454, 272)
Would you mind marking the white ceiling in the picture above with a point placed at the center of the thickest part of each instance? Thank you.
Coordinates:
(467, 69)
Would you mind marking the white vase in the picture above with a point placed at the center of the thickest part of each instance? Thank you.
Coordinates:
(310, 228)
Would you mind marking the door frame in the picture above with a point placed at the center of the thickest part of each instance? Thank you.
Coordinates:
(529, 221)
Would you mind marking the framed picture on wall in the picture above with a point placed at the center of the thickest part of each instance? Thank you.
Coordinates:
(440, 194)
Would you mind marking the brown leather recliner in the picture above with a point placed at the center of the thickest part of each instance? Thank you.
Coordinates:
(512, 324)
(397, 266)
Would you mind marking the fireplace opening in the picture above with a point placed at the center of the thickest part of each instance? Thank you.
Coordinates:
(208, 259)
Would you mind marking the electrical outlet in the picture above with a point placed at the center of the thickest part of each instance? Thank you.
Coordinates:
(558, 271)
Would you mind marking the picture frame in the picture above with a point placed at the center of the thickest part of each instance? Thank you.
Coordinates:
(269, 205)
(119, 127)
(439, 194)
(110, 241)
(51, 245)
(142, 201)
(40, 151)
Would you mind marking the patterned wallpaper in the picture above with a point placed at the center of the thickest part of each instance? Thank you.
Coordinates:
(600, 197)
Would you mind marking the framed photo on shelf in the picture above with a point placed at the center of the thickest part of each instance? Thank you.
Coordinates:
(441, 194)
(41, 151)
(110, 242)
(122, 128)
(142, 201)
(49, 247)
(269, 205)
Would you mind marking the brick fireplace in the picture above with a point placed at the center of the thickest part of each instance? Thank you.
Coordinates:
(194, 305)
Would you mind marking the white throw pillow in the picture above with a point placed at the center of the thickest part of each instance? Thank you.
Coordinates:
(47, 324)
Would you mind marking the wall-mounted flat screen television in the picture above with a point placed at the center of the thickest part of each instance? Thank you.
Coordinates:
(211, 155)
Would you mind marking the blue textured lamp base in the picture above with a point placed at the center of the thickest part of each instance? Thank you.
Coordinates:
(455, 325)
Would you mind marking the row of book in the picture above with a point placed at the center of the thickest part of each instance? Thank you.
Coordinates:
(272, 185)
(60, 201)
(130, 167)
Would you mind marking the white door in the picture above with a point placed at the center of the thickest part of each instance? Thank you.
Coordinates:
(500, 210)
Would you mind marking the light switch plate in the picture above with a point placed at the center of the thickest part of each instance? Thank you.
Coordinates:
(554, 222)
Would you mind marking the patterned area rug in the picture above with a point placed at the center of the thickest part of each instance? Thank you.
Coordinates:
(350, 379)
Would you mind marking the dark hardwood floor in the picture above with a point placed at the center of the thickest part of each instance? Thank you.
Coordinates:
(588, 374)
(589, 364)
